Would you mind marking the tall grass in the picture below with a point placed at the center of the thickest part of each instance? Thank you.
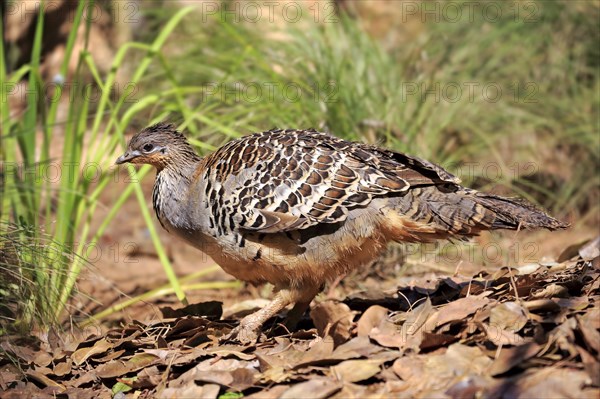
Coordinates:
(55, 216)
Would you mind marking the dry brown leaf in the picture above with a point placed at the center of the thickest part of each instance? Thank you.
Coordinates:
(373, 317)
(430, 340)
(356, 391)
(470, 387)
(431, 374)
(87, 393)
(591, 366)
(421, 319)
(319, 352)
(409, 368)
(501, 337)
(233, 373)
(82, 354)
(409, 335)
(587, 325)
(550, 382)
(551, 291)
(355, 348)
(109, 356)
(573, 303)
(564, 336)
(590, 250)
(541, 305)
(187, 327)
(376, 324)
(356, 370)
(117, 368)
(388, 339)
(511, 357)
(83, 379)
(461, 308)
(333, 318)
(191, 390)
(275, 374)
(269, 393)
(508, 316)
(62, 368)
(316, 388)
(8, 376)
(148, 377)
(22, 352)
(572, 251)
(42, 358)
(45, 380)
(463, 359)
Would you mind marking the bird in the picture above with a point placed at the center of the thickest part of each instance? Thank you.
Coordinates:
(299, 208)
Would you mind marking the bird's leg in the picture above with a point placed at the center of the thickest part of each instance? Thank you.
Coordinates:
(302, 303)
(295, 314)
(248, 330)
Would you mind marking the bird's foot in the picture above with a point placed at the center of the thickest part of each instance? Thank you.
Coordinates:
(245, 334)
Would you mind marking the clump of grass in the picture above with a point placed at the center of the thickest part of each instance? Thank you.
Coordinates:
(44, 255)
(24, 299)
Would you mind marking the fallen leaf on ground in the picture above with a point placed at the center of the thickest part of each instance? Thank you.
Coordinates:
(508, 316)
(317, 388)
(461, 308)
(81, 355)
(334, 319)
(191, 390)
(117, 368)
(511, 357)
(356, 370)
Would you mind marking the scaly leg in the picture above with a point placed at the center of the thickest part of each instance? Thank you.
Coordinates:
(248, 330)
(295, 314)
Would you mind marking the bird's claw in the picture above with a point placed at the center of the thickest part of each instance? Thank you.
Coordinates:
(245, 335)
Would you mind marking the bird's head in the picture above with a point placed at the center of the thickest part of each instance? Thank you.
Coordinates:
(158, 145)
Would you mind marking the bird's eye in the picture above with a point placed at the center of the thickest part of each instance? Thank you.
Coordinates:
(148, 147)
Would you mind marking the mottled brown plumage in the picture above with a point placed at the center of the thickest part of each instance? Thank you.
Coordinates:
(297, 208)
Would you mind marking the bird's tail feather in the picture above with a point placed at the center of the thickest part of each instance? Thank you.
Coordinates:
(466, 212)
(515, 213)
(430, 213)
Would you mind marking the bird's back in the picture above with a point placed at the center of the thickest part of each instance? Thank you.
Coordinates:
(284, 180)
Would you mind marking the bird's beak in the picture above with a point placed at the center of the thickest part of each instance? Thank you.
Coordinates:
(127, 157)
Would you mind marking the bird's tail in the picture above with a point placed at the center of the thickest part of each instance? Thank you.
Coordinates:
(515, 213)
(431, 213)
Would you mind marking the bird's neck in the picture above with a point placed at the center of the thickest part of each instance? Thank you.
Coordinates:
(171, 188)
(181, 169)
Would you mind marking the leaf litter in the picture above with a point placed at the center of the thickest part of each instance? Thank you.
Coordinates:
(527, 332)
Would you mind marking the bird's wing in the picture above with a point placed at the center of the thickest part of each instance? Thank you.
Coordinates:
(285, 180)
